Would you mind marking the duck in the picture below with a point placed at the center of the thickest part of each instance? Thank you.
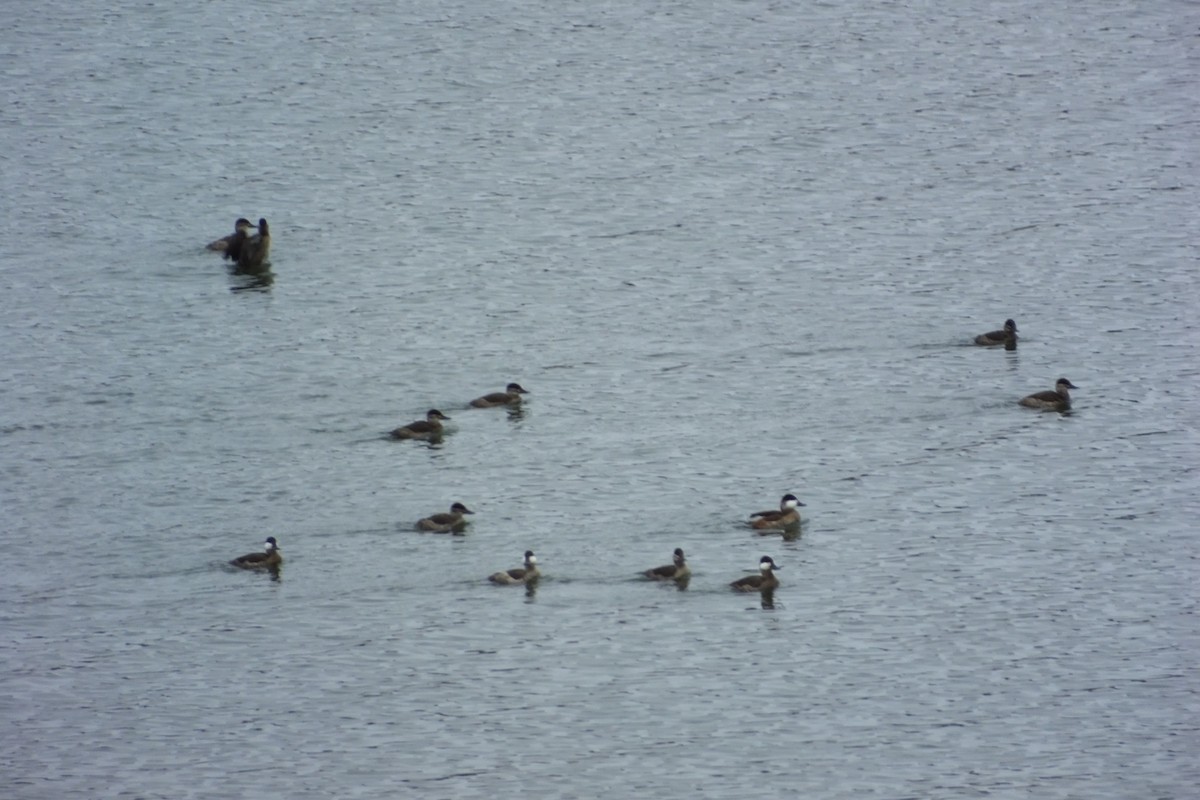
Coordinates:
(254, 250)
(677, 570)
(526, 574)
(1056, 399)
(764, 581)
(1006, 337)
(270, 558)
(230, 244)
(445, 522)
(511, 396)
(785, 517)
(428, 428)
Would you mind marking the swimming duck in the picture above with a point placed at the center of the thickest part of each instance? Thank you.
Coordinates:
(1006, 337)
(511, 396)
(764, 581)
(428, 428)
(527, 574)
(254, 250)
(445, 522)
(785, 517)
(1057, 399)
(230, 244)
(269, 559)
(678, 570)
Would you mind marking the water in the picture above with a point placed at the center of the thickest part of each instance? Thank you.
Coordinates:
(733, 251)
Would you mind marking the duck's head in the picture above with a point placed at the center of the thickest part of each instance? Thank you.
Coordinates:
(270, 544)
(515, 388)
(433, 414)
(459, 508)
(242, 224)
(678, 556)
(1009, 325)
(530, 558)
(790, 501)
(766, 564)
(1063, 383)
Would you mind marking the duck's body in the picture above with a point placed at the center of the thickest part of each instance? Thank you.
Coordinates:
(428, 428)
(230, 245)
(270, 558)
(677, 570)
(511, 396)
(786, 517)
(764, 581)
(525, 574)
(254, 250)
(450, 522)
(1056, 399)
(1006, 337)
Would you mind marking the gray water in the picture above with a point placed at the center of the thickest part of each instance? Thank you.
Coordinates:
(733, 250)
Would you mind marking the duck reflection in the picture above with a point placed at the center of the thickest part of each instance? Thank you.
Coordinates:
(243, 281)
(790, 533)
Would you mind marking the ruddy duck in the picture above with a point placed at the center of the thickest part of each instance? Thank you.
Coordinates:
(1057, 399)
(270, 559)
(428, 428)
(785, 517)
(231, 243)
(255, 249)
(527, 574)
(764, 581)
(1006, 337)
(446, 522)
(511, 396)
(678, 570)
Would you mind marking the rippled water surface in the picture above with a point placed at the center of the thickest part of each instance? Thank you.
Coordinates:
(733, 250)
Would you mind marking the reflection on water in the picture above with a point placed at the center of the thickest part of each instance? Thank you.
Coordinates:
(768, 597)
(274, 572)
(789, 533)
(251, 279)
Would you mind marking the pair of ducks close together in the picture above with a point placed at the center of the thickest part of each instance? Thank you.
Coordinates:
(679, 572)
(1056, 399)
(245, 248)
(431, 427)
